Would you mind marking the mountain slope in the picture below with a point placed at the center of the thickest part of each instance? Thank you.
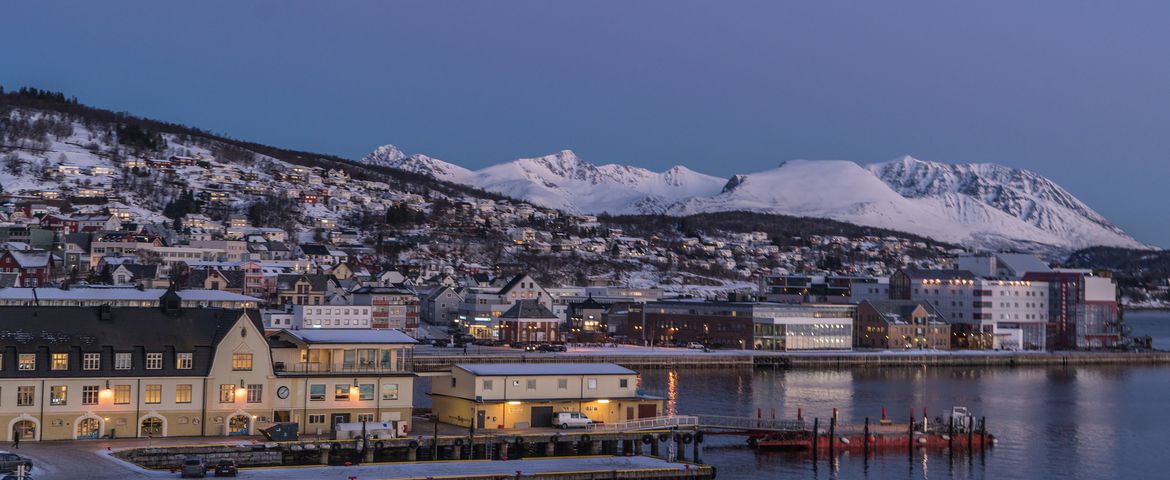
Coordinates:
(978, 205)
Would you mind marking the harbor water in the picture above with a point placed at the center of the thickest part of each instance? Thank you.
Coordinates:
(1082, 422)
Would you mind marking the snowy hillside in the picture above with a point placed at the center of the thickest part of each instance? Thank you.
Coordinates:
(980, 205)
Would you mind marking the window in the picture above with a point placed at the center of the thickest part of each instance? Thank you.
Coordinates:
(123, 361)
(241, 361)
(624, 383)
(366, 391)
(121, 394)
(58, 395)
(26, 395)
(26, 362)
(154, 361)
(255, 393)
(183, 393)
(341, 391)
(227, 393)
(59, 361)
(317, 418)
(184, 361)
(366, 417)
(317, 392)
(487, 384)
(562, 384)
(89, 395)
(91, 361)
(530, 384)
(389, 391)
(591, 383)
(152, 394)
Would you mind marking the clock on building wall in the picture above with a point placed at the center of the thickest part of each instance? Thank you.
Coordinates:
(282, 392)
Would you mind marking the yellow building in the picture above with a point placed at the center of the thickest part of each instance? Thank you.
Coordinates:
(92, 372)
(523, 395)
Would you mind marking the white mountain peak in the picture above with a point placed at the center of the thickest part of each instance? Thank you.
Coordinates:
(981, 205)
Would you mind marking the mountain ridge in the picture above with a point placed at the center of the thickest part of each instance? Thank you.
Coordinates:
(981, 205)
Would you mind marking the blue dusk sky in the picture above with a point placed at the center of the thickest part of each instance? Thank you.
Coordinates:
(1078, 91)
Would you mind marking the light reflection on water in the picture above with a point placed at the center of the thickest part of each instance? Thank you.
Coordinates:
(1078, 422)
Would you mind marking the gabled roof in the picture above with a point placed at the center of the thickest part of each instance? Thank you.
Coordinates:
(315, 249)
(528, 309)
(512, 283)
(141, 271)
(502, 369)
(899, 311)
(31, 258)
(317, 283)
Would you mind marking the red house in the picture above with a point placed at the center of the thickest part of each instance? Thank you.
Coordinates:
(34, 268)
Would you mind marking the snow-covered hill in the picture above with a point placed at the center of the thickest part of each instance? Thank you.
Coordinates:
(979, 205)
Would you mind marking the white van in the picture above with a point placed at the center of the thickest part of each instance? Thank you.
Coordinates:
(571, 419)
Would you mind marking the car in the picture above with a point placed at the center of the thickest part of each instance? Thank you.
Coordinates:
(552, 347)
(566, 420)
(226, 468)
(441, 342)
(695, 346)
(528, 347)
(14, 477)
(517, 344)
(193, 467)
(10, 461)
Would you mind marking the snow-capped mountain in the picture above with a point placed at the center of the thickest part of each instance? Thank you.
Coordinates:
(979, 205)
(566, 182)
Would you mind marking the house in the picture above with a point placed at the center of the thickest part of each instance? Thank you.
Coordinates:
(216, 279)
(441, 306)
(501, 396)
(301, 289)
(393, 307)
(529, 321)
(899, 325)
(132, 274)
(34, 268)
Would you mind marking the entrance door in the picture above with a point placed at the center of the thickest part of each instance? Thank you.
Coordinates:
(629, 413)
(281, 416)
(339, 418)
(89, 427)
(647, 410)
(542, 417)
(480, 417)
(25, 430)
(151, 427)
(238, 425)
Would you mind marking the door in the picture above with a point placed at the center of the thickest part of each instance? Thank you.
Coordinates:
(629, 413)
(480, 417)
(238, 425)
(281, 416)
(339, 418)
(89, 427)
(151, 427)
(25, 429)
(542, 417)
(647, 410)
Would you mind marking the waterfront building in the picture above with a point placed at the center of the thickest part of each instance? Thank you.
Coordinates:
(524, 395)
(529, 321)
(100, 371)
(483, 305)
(744, 325)
(813, 288)
(1083, 310)
(900, 324)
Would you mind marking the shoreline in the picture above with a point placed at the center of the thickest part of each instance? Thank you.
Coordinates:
(851, 359)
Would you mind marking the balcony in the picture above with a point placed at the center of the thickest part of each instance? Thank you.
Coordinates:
(315, 368)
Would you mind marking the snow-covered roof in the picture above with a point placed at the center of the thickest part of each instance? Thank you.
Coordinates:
(502, 369)
(97, 294)
(351, 336)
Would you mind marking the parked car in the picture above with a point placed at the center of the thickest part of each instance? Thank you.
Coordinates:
(553, 347)
(695, 346)
(530, 347)
(193, 467)
(517, 344)
(226, 468)
(441, 342)
(9, 461)
(571, 420)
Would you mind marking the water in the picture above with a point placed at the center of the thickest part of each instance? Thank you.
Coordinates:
(1086, 422)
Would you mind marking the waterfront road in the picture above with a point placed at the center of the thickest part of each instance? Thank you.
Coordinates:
(91, 460)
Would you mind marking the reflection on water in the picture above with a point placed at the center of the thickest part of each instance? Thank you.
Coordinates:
(1079, 422)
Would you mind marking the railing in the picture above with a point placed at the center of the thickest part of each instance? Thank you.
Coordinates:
(749, 423)
(654, 423)
(308, 368)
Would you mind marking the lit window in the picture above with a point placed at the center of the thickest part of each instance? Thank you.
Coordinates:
(26, 362)
(183, 393)
(341, 391)
(227, 393)
(241, 361)
(121, 394)
(184, 361)
(57, 395)
(152, 394)
(60, 361)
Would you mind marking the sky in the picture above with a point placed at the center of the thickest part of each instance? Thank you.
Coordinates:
(1078, 91)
